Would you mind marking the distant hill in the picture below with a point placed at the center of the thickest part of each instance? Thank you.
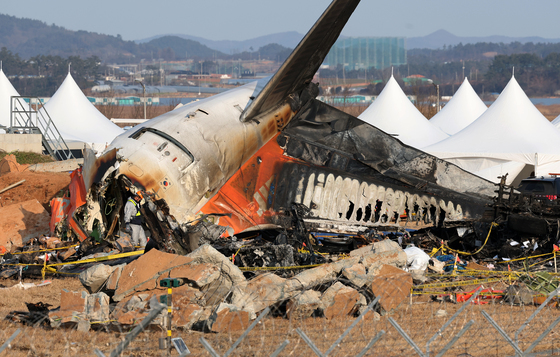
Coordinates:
(29, 38)
(285, 39)
(440, 38)
(32, 37)
(181, 48)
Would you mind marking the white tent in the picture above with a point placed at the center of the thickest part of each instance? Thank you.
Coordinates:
(556, 122)
(461, 111)
(512, 133)
(75, 117)
(395, 114)
(7, 90)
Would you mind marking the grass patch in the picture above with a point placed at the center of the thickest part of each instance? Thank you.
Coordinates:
(31, 158)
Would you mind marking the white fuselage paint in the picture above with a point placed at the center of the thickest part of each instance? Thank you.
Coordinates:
(219, 142)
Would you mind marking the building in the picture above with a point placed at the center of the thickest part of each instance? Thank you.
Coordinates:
(365, 52)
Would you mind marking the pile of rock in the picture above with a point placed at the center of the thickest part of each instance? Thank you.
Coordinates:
(218, 297)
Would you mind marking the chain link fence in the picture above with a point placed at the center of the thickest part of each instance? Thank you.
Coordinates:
(351, 322)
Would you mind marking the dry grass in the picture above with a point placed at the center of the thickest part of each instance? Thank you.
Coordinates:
(418, 319)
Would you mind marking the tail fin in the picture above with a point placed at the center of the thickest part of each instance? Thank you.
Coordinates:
(298, 70)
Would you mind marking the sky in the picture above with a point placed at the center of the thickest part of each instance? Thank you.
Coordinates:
(247, 19)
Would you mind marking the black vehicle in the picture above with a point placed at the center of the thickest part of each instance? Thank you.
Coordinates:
(545, 189)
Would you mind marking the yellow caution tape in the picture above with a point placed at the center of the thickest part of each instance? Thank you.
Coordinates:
(493, 224)
(458, 283)
(48, 267)
(42, 250)
(540, 262)
(100, 259)
(518, 259)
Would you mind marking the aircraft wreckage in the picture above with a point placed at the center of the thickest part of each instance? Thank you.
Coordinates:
(242, 160)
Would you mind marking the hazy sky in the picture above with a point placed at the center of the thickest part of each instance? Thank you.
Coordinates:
(245, 19)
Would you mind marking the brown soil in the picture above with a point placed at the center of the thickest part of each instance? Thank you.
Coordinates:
(41, 186)
(418, 320)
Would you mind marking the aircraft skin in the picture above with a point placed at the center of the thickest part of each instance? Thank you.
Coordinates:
(184, 158)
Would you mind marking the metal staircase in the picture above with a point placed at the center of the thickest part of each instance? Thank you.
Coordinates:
(30, 117)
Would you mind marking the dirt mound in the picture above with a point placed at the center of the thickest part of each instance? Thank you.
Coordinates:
(21, 222)
(9, 164)
(42, 186)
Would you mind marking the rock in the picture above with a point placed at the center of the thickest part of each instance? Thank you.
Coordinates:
(303, 305)
(216, 291)
(227, 318)
(21, 222)
(72, 309)
(186, 315)
(83, 326)
(392, 285)
(113, 280)
(137, 302)
(340, 265)
(131, 317)
(339, 300)
(143, 273)
(95, 276)
(73, 301)
(259, 293)
(372, 315)
(312, 277)
(384, 252)
(396, 258)
(97, 307)
(385, 245)
(360, 306)
(208, 254)
(356, 274)
(199, 274)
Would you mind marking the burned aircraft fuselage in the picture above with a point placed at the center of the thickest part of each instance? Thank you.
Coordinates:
(253, 151)
(348, 173)
(186, 155)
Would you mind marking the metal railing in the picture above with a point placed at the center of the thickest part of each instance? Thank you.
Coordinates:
(31, 117)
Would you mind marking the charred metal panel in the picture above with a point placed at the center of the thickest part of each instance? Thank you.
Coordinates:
(95, 168)
(331, 128)
(339, 196)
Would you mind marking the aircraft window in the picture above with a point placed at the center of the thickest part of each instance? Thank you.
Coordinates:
(138, 134)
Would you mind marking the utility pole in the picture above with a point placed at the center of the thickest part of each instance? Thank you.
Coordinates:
(144, 96)
(437, 94)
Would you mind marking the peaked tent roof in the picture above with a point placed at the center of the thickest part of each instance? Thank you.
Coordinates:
(7, 90)
(394, 113)
(556, 122)
(512, 129)
(74, 115)
(463, 109)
